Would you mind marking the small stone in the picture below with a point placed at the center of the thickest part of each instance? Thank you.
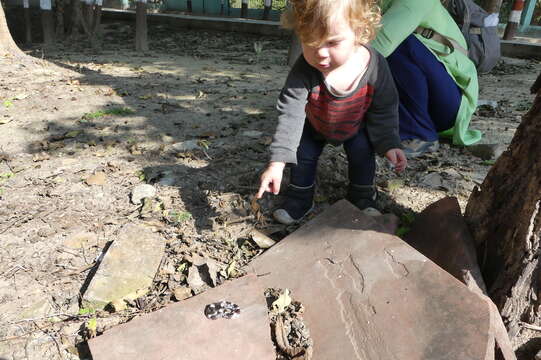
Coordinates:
(142, 191)
(261, 240)
(194, 279)
(182, 293)
(538, 355)
(486, 151)
(432, 180)
(80, 240)
(98, 178)
(186, 145)
(252, 134)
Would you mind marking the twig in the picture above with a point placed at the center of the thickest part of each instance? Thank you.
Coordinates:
(530, 326)
(235, 221)
(15, 268)
(54, 339)
(41, 318)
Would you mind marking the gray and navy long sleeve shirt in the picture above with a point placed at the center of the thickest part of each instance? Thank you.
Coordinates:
(306, 96)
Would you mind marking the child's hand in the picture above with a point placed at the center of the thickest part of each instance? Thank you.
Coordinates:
(271, 179)
(398, 159)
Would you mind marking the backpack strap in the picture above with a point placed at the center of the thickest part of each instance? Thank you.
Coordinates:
(434, 35)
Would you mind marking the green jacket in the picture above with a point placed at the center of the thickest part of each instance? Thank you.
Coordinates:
(400, 19)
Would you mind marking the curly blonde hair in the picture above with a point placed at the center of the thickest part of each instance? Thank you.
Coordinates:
(311, 19)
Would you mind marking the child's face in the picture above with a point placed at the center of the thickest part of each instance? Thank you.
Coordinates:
(335, 51)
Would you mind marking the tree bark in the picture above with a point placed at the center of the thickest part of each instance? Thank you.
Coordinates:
(505, 221)
(295, 50)
(141, 40)
(27, 26)
(47, 22)
(8, 48)
(491, 6)
(60, 27)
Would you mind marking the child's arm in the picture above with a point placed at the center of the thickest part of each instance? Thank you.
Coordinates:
(290, 105)
(271, 178)
(382, 115)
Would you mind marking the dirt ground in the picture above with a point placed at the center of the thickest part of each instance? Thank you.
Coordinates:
(78, 134)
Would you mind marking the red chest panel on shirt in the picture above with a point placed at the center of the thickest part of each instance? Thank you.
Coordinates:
(338, 118)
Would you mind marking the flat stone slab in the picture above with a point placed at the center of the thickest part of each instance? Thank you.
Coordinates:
(182, 332)
(369, 295)
(128, 267)
(440, 233)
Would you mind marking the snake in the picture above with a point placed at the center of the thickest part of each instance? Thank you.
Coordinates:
(222, 309)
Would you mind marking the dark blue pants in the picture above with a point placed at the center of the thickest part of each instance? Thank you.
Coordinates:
(429, 97)
(359, 152)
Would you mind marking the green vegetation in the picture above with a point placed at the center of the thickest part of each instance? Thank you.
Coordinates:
(259, 4)
(123, 111)
(86, 311)
(405, 224)
(177, 217)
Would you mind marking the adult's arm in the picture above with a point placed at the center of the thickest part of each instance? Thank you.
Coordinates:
(399, 21)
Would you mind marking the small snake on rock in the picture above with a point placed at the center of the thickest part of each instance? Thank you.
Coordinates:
(222, 309)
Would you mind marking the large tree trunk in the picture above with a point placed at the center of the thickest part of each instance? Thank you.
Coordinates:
(505, 221)
(8, 48)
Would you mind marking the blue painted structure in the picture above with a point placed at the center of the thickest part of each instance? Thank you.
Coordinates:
(216, 8)
(527, 15)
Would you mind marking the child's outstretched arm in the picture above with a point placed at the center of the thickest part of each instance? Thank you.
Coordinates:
(271, 178)
(397, 158)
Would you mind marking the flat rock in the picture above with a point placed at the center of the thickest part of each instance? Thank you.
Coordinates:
(187, 145)
(486, 151)
(440, 233)
(369, 295)
(182, 332)
(142, 191)
(128, 267)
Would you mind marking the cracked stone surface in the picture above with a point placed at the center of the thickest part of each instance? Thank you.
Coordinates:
(369, 295)
(182, 332)
(128, 267)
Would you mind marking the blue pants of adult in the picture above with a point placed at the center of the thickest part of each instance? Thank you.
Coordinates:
(359, 152)
(429, 97)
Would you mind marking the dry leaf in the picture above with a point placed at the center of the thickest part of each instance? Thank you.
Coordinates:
(283, 301)
(98, 178)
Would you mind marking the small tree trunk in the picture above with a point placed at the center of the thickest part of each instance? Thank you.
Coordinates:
(47, 22)
(244, 9)
(295, 50)
(97, 18)
(505, 221)
(27, 23)
(88, 16)
(141, 41)
(514, 20)
(492, 6)
(267, 9)
(59, 4)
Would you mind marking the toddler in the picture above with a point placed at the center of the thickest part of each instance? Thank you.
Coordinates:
(339, 91)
